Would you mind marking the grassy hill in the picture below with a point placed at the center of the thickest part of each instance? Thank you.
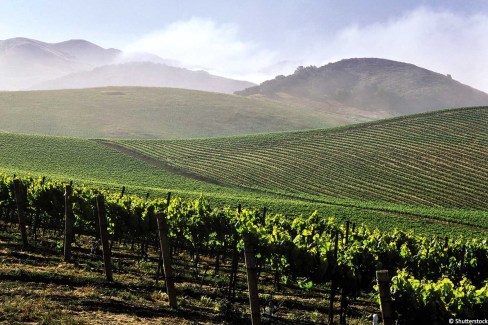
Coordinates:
(434, 160)
(136, 112)
(369, 85)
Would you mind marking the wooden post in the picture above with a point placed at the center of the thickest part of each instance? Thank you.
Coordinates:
(160, 260)
(19, 199)
(343, 312)
(385, 297)
(234, 265)
(102, 221)
(233, 272)
(165, 253)
(333, 288)
(68, 223)
(252, 280)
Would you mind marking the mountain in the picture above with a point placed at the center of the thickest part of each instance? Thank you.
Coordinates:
(32, 64)
(145, 74)
(369, 85)
(87, 52)
(25, 62)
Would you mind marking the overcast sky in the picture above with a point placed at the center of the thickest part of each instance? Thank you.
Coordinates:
(256, 40)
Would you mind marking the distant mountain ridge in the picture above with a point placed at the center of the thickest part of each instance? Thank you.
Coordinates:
(144, 74)
(31, 64)
(87, 52)
(370, 85)
(25, 62)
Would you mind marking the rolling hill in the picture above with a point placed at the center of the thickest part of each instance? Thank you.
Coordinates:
(93, 163)
(134, 112)
(87, 161)
(369, 85)
(436, 159)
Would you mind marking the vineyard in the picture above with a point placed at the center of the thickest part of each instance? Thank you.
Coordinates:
(92, 163)
(88, 162)
(434, 278)
(435, 159)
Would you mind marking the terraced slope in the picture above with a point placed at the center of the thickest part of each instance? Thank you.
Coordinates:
(433, 159)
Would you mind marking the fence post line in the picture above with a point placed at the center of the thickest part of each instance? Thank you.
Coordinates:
(252, 279)
(68, 222)
(385, 297)
(20, 211)
(102, 220)
(166, 256)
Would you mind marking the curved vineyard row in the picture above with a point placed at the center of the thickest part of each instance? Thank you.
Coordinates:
(436, 159)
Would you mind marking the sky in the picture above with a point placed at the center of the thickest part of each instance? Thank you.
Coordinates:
(259, 39)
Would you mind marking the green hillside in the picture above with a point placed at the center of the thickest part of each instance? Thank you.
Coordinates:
(433, 160)
(89, 162)
(136, 112)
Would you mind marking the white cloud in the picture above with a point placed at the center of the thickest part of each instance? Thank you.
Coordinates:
(442, 41)
(203, 44)
(445, 42)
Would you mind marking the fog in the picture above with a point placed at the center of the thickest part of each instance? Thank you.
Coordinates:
(202, 44)
(442, 41)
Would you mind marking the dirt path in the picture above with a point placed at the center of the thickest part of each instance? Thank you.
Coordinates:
(157, 163)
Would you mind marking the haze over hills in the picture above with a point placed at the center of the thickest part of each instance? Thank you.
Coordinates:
(369, 85)
(145, 74)
(25, 62)
(341, 93)
(30, 64)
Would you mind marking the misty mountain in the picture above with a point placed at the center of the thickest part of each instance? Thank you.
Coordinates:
(25, 62)
(86, 52)
(369, 85)
(30, 64)
(145, 74)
